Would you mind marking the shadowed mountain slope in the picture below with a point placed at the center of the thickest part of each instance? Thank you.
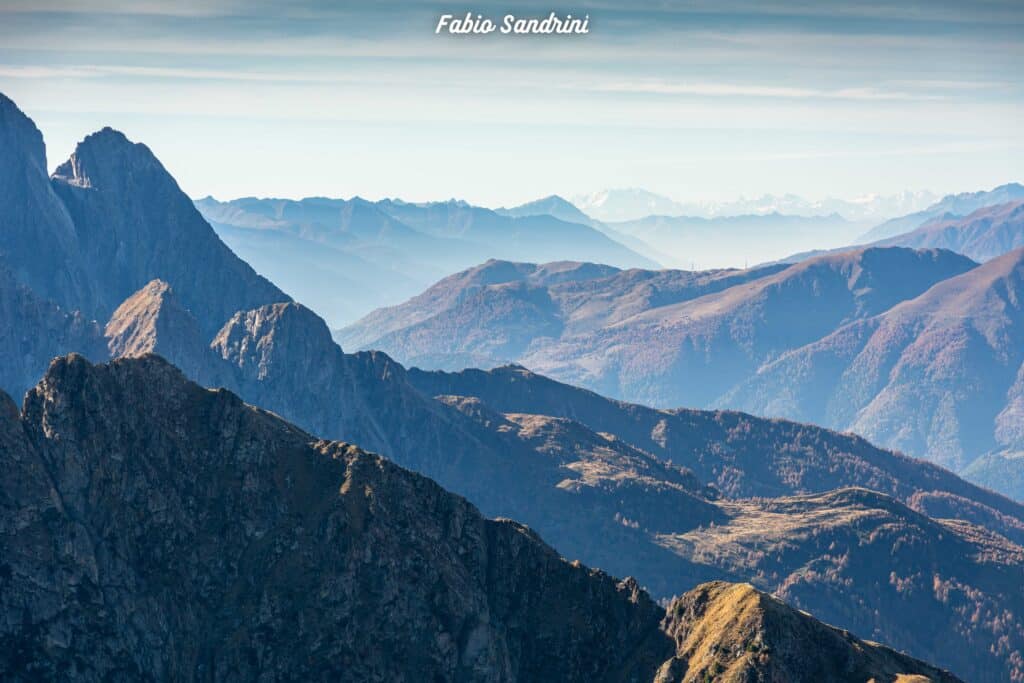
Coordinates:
(33, 330)
(133, 224)
(111, 220)
(31, 215)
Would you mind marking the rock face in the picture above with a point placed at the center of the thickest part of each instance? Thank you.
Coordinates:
(151, 529)
(134, 224)
(177, 533)
(34, 330)
(735, 633)
(33, 216)
(153, 321)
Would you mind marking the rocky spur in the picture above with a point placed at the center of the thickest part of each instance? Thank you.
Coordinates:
(511, 24)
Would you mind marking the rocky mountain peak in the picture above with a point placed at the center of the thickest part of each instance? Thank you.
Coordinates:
(274, 334)
(107, 160)
(20, 140)
(153, 320)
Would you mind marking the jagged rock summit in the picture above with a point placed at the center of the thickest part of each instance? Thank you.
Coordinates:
(134, 224)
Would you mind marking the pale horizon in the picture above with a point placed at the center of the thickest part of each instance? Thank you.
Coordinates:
(695, 101)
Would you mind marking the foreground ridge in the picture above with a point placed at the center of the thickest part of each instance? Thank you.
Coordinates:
(152, 529)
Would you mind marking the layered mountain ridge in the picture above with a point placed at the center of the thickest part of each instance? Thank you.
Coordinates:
(665, 338)
(387, 250)
(606, 498)
(982, 235)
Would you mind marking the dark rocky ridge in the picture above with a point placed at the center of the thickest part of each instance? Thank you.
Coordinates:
(151, 529)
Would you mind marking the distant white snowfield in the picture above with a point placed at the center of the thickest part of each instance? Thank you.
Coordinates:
(627, 204)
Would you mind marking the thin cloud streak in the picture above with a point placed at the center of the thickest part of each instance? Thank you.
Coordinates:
(735, 90)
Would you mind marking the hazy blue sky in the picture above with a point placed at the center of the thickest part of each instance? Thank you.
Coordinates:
(698, 100)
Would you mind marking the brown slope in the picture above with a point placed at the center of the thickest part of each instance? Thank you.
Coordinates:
(496, 312)
(950, 590)
(740, 455)
(935, 376)
(735, 633)
(447, 293)
(153, 321)
(982, 235)
(692, 353)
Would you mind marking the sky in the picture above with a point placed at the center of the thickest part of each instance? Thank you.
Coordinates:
(697, 100)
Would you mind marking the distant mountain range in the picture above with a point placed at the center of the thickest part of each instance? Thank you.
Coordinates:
(948, 207)
(665, 338)
(344, 258)
(494, 313)
(982, 235)
(150, 527)
(632, 204)
(918, 350)
(937, 375)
